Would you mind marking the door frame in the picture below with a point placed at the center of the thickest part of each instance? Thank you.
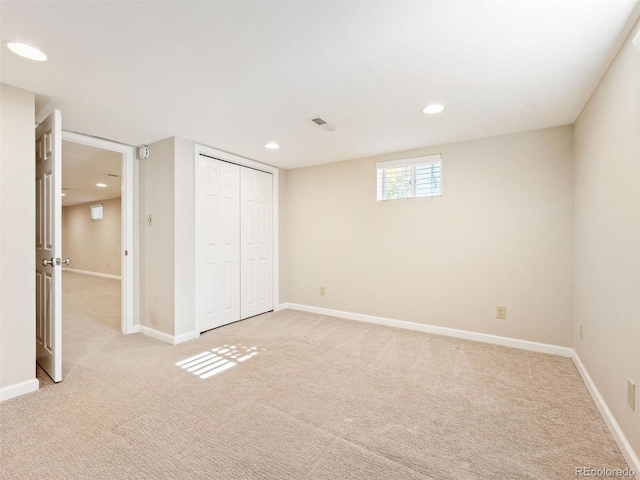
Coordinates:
(127, 221)
(244, 162)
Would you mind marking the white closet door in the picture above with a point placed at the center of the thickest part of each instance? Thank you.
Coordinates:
(218, 237)
(256, 213)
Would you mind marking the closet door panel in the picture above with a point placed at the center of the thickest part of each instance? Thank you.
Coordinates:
(256, 214)
(218, 243)
(230, 245)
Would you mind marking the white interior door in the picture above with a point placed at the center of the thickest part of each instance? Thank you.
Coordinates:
(49, 245)
(218, 237)
(256, 237)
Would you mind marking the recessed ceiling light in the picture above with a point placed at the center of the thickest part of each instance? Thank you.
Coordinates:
(431, 109)
(27, 51)
(63, 194)
(272, 146)
(101, 185)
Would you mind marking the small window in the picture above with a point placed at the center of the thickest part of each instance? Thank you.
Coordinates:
(410, 178)
(96, 212)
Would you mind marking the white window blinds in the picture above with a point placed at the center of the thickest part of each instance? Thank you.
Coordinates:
(410, 178)
(96, 212)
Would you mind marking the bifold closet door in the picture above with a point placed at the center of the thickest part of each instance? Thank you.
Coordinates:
(256, 237)
(218, 237)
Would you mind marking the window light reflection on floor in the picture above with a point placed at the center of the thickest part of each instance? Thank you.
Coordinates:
(218, 359)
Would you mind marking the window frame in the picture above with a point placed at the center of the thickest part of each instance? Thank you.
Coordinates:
(435, 159)
(96, 205)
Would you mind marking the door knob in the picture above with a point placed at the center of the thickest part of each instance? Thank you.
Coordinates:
(46, 262)
(66, 261)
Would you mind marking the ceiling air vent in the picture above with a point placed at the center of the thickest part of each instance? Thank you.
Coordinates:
(323, 124)
(112, 175)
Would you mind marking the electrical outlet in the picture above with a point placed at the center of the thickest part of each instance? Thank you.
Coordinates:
(501, 312)
(581, 337)
(631, 394)
(321, 290)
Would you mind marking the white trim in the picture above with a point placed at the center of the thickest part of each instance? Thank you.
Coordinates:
(404, 162)
(185, 337)
(129, 230)
(94, 274)
(449, 332)
(230, 157)
(238, 160)
(165, 337)
(150, 332)
(18, 389)
(636, 42)
(276, 237)
(609, 420)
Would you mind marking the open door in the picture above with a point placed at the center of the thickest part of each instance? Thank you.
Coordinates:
(49, 245)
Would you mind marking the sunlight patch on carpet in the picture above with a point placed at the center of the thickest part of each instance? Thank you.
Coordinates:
(217, 360)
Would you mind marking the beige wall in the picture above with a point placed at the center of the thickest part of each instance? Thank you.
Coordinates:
(185, 294)
(167, 263)
(17, 237)
(606, 274)
(157, 246)
(500, 235)
(93, 246)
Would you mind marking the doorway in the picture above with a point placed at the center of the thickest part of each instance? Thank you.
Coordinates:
(112, 165)
(49, 139)
(92, 240)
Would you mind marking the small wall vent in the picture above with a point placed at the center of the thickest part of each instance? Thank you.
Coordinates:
(323, 124)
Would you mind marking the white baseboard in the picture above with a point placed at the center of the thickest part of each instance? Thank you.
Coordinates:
(449, 332)
(18, 389)
(185, 337)
(165, 337)
(609, 420)
(95, 274)
(134, 329)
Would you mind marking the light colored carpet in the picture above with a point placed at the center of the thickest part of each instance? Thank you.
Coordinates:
(322, 398)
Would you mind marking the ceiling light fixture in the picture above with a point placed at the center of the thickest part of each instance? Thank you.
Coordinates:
(27, 51)
(433, 109)
(272, 146)
(63, 194)
(101, 185)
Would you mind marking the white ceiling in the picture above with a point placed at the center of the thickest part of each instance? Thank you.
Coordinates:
(84, 166)
(234, 75)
